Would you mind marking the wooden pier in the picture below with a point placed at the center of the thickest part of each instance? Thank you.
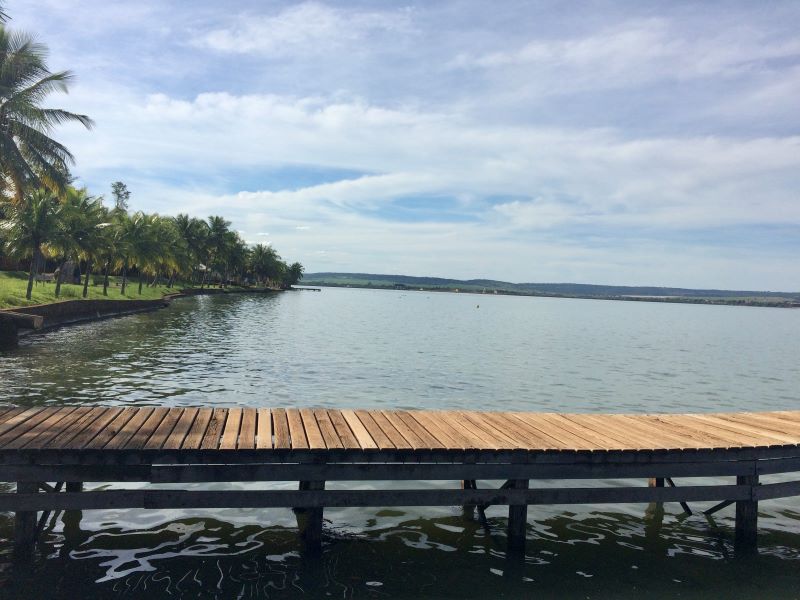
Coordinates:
(53, 453)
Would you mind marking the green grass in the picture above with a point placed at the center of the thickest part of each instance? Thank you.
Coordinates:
(13, 285)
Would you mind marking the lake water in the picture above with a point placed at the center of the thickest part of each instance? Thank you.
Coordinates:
(403, 349)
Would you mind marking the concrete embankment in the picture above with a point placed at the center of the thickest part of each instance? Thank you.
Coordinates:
(16, 321)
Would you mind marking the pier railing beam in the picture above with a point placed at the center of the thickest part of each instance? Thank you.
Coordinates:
(25, 524)
(745, 538)
(309, 521)
(517, 519)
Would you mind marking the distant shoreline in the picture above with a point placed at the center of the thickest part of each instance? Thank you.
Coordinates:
(764, 302)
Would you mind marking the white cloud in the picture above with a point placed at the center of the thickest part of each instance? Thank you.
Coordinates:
(306, 28)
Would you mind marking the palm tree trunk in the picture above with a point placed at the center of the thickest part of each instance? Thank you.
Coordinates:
(86, 279)
(32, 273)
(60, 277)
(105, 278)
(141, 280)
(124, 276)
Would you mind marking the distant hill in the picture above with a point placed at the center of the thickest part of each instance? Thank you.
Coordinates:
(540, 289)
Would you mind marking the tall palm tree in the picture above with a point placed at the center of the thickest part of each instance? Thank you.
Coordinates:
(30, 224)
(218, 230)
(29, 157)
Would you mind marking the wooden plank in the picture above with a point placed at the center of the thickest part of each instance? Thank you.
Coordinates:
(296, 430)
(130, 429)
(554, 431)
(148, 428)
(280, 427)
(194, 438)
(15, 418)
(47, 429)
(626, 437)
(97, 437)
(24, 422)
(214, 430)
(426, 436)
(92, 414)
(430, 424)
(589, 436)
(504, 439)
(749, 427)
(181, 429)
(702, 439)
(230, 434)
(679, 440)
(247, 434)
(527, 438)
(685, 422)
(405, 431)
(346, 436)
(165, 427)
(376, 433)
(536, 438)
(264, 428)
(769, 421)
(361, 433)
(99, 420)
(453, 422)
(313, 433)
(327, 429)
(164, 499)
(65, 425)
(389, 430)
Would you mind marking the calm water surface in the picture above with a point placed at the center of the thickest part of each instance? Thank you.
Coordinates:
(379, 349)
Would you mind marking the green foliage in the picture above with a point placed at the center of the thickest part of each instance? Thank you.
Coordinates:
(29, 157)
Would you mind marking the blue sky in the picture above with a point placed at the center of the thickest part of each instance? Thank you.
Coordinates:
(638, 143)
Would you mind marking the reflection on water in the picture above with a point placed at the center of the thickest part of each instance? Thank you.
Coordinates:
(376, 349)
(592, 554)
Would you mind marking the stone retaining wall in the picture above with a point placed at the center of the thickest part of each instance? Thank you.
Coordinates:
(72, 311)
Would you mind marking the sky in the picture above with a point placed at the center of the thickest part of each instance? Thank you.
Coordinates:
(626, 143)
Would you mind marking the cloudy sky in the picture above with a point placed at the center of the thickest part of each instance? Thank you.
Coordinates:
(641, 143)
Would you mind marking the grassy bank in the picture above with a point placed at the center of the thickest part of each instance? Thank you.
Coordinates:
(13, 285)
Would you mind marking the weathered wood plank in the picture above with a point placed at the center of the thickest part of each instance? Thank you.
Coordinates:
(346, 436)
(140, 416)
(264, 427)
(214, 430)
(98, 435)
(148, 428)
(327, 429)
(376, 433)
(311, 427)
(280, 427)
(44, 429)
(194, 438)
(181, 429)
(296, 430)
(164, 429)
(247, 433)
(230, 434)
(365, 440)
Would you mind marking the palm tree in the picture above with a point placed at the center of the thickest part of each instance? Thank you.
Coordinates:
(218, 229)
(294, 273)
(29, 157)
(79, 217)
(30, 224)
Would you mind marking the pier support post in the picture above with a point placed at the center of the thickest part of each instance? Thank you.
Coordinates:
(517, 519)
(25, 524)
(74, 486)
(745, 538)
(309, 521)
(468, 510)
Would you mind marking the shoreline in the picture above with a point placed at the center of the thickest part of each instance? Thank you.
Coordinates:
(18, 322)
(663, 299)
